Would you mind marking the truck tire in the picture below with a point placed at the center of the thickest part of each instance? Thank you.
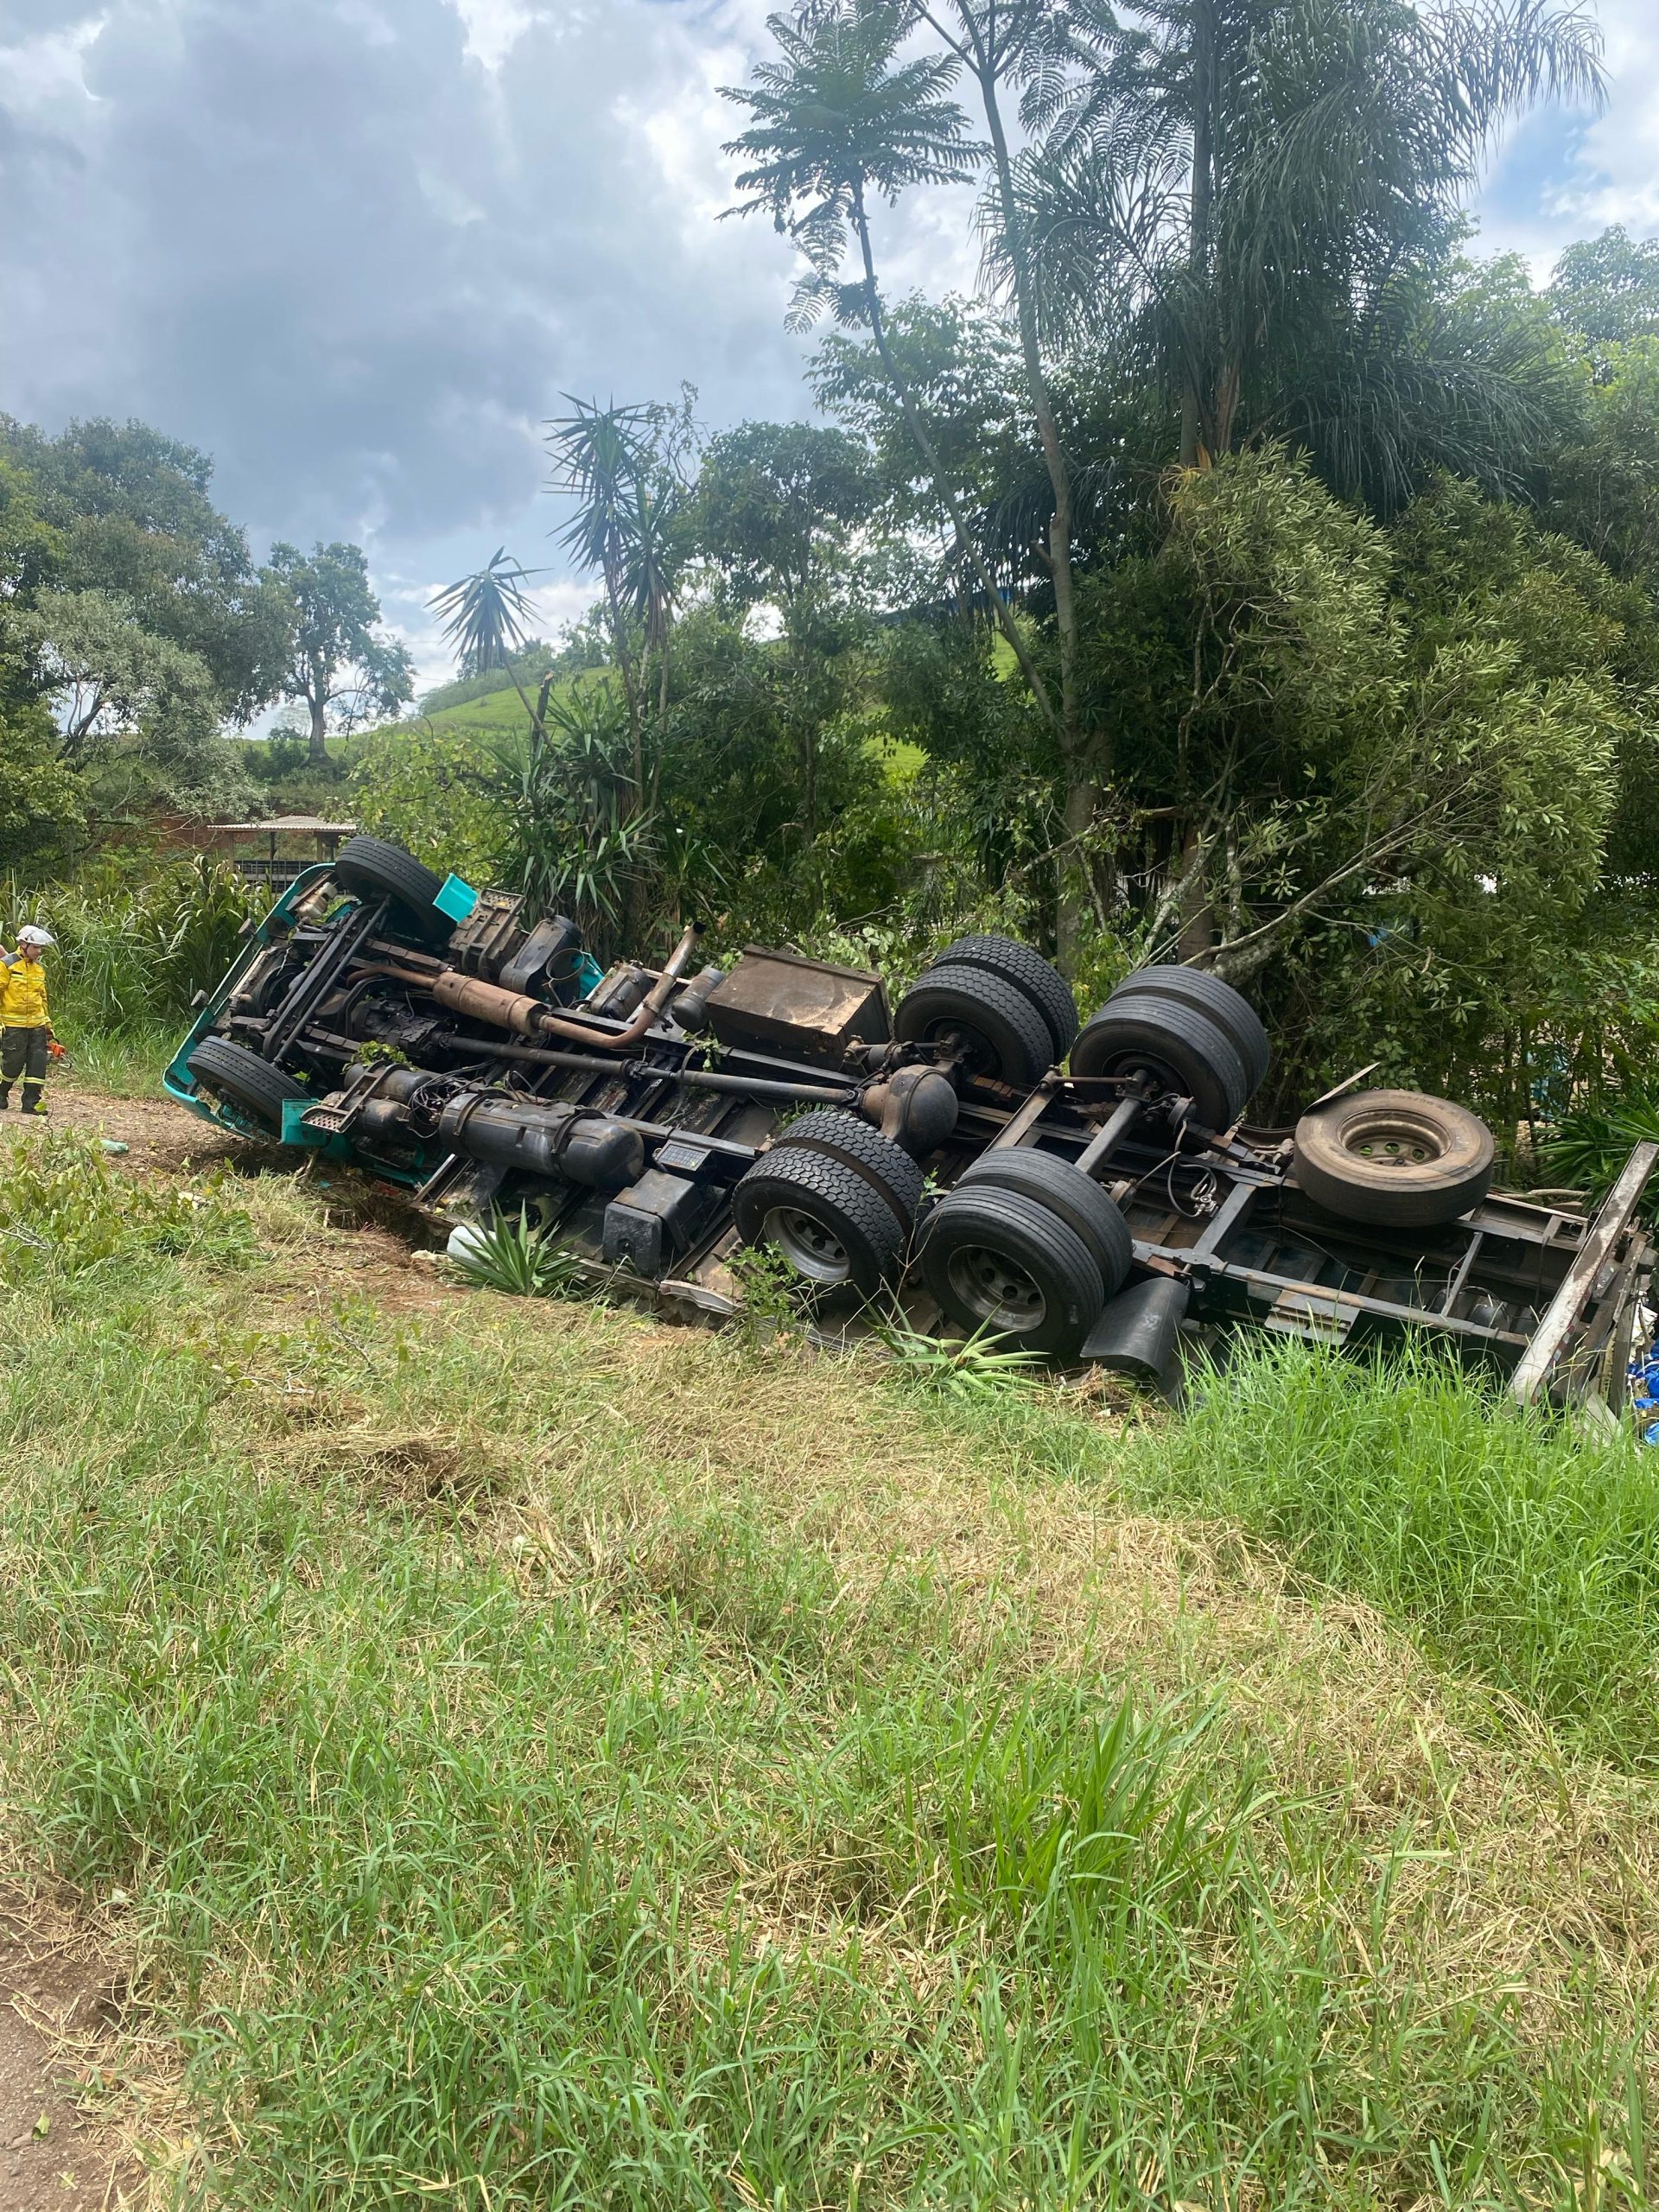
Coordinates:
(1067, 1191)
(1007, 1039)
(1394, 1159)
(1183, 1051)
(372, 867)
(844, 1135)
(823, 1217)
(1028, 972)
(241, 1078)
(1002, 1261)
(1229, 1009)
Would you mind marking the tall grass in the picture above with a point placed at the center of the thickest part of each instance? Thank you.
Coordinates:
(1518, 1548)
(139, 936)
(514, 1820)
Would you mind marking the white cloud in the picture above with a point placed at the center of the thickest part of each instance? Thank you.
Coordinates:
(493, 28)
(1567, 177)
(1619, 155)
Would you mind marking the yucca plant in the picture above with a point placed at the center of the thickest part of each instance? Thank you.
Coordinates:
(978, 1372)
(1591, 1142)
(516, 1258)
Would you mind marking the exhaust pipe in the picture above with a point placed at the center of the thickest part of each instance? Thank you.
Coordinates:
(527, 1017)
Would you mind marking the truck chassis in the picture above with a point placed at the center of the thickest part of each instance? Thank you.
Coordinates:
(655, 1122)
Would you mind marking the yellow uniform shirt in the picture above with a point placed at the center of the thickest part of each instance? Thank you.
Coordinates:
(23, 993)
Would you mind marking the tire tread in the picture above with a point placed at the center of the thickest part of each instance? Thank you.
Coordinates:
(785, 1176)
(1016, 963)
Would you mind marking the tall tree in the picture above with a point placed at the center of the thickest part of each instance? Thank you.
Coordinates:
(1004, 45)
(1606, 288)
(625, 469)
(837, 121)
(775, 504)
(1243, 192)
(339, 666)
(132, 513)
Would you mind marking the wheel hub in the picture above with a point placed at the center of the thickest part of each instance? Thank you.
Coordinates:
(1391, 1141)
(811, 1249)
(996, 1290)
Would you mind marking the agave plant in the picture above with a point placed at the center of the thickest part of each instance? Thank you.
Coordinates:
(515, 1258)
(979, 1372)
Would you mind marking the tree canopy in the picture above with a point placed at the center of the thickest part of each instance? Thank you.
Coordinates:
(1240, 570)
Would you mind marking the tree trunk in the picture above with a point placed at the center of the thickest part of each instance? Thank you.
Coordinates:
(1087, 760)
(1197, 935)
(319, 731)
(1196, 378)
(1077, 899)
(630, 683)
(1062, 522)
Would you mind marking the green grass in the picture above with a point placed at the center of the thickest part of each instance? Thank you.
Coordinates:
(549, 1760)
(128, 1063)
(1523, 1551)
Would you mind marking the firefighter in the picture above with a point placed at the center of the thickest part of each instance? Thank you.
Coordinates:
(26, 1038)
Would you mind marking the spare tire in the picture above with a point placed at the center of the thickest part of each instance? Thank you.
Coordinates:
(1005, 1036)
(1028, 971)
(1182, 1050)
(1394, 1159)
(1002, 1261)
(372, 867)
(233, 1073)
(1229, 1009)
(1067, 1191)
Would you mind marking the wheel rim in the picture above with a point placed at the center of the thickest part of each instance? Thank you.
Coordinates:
(811, 1249)
(995, 1289)
(1390, 1139)
(1140, 1064)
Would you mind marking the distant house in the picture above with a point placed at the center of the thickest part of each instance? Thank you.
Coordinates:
(275, 852)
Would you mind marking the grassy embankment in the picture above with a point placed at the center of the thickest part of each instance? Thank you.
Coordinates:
(541, 1757)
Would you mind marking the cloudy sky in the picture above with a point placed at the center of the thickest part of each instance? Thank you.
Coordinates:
(358, 248)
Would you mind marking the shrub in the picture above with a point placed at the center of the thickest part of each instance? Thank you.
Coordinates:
(63, 1206)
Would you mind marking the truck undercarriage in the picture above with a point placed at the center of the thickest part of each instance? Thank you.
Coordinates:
(973, 1157)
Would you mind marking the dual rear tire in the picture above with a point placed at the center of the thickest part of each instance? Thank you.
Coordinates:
(1001, 1007)
(835, 1199)
(1027, 1248)
(1188, 1033)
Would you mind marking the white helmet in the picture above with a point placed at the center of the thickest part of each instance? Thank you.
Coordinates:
(35, 937)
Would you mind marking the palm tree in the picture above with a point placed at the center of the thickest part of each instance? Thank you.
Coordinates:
(485, 616)
(602, 456)
(623, 466)
(1243, 193)
(1020, 42)
(836, 121)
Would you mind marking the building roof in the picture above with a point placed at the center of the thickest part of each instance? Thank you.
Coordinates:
(285, 825)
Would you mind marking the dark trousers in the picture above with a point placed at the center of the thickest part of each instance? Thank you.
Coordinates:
(23, 1052)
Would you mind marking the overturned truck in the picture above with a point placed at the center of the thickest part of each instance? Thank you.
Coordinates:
(1085, 1190)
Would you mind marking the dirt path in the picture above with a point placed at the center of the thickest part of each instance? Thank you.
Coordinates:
(384, 1251)
(159, 1134)
(59, 2006)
